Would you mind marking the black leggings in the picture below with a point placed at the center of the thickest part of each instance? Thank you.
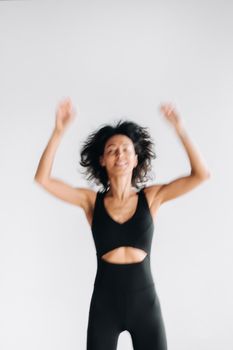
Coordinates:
(124, 298)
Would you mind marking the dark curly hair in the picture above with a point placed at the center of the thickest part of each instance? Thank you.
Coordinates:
(93, 148)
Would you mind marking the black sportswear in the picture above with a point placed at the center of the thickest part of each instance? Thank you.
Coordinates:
(124, 295)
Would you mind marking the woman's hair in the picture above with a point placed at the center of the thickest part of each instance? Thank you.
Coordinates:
(93, 148)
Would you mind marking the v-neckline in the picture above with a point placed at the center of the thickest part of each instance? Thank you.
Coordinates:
(127, 221)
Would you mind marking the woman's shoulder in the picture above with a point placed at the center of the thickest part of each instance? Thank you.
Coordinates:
(151, 192)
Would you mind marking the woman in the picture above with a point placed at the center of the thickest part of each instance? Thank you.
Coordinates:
(122, 223)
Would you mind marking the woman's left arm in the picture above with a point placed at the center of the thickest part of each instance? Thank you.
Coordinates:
(199, 170)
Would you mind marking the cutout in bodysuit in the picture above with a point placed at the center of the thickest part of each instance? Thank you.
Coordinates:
(132, 260)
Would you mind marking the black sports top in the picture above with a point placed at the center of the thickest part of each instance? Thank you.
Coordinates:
(136, 232)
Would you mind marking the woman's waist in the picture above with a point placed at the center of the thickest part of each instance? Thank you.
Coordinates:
(126, 276)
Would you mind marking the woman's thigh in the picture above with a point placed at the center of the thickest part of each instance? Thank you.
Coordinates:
(103, 322)
(145, 321)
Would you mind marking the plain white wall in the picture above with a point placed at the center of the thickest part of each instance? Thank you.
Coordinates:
(114, 59)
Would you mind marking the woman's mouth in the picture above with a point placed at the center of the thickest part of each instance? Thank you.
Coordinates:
(121, 164)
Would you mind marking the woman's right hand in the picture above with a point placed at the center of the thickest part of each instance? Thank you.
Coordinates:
(65, 114)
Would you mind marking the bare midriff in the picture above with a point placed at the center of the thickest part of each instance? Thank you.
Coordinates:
(124, 255)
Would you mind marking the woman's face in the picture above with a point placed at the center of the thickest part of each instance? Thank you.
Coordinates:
(119, 154)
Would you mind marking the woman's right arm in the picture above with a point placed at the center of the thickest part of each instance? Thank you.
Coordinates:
(82, 197)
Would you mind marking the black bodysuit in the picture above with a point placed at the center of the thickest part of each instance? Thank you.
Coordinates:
(124, 295)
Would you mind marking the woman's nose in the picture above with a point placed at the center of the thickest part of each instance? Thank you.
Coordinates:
(119, 153)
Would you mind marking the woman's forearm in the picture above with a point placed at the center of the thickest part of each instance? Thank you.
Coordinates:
(198, 165)
(46, 161)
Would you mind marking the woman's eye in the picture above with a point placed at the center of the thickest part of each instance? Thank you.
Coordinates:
(112, 150)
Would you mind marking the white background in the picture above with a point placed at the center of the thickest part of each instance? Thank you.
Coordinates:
(114, 59)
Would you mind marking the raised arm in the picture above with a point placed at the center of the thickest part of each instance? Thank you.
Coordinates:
(77, 196)
(199, 170)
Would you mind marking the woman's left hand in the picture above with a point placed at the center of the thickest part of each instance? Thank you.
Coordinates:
(171, 115)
